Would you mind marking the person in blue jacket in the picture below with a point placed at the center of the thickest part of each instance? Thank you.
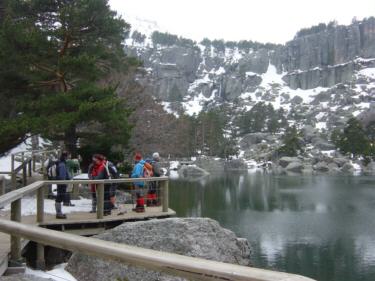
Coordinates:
(138, 173)
(62, 173)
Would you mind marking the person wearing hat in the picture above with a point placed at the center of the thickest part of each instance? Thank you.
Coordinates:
(138, 173)
(152, 196)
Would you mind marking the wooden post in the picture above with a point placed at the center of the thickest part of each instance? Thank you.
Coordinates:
(75, 191)
(24, 173)
(2, 185)
(40, 259)
(165, 195)
(100, 201)
(15, 242)
(43, 168)
(40, 205)
(14, 176)
(30, 167)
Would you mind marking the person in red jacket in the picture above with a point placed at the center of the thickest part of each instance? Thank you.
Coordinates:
(97, 171)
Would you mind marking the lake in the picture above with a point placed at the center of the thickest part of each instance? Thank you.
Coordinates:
(322, 227)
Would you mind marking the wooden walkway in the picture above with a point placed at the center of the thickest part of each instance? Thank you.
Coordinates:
(80, 223)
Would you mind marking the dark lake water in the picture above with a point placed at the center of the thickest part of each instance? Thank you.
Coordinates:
(322, 227)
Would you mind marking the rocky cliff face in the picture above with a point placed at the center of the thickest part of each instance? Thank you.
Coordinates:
(320, 78)
(323, 59)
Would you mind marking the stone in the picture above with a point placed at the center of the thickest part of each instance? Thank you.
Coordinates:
(285, 161)
(195, 237)
(296, 167)
(340, 161)
(321, 167)
(347, 167)
(192, 171)
(235, 164)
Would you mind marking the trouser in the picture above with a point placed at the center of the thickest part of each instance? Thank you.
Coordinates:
(61, 193)
(139, 192)
(107, 199)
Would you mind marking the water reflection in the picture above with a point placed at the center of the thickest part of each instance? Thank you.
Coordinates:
(321, 226)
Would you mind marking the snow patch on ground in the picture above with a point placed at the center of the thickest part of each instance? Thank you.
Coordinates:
(58, 273)
(369, 72)
(28, 206)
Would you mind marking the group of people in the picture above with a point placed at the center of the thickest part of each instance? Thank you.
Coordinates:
(146, 193)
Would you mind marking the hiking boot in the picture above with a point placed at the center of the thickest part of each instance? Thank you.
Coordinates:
(92, 211)
(61, 216)
(107, 213)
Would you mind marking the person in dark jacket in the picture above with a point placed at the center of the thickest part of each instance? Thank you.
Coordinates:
(61, 174)
(97, 171)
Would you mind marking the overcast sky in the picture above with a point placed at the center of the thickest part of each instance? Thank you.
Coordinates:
(261, 20)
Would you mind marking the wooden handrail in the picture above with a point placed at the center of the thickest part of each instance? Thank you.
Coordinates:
(14, 195)
(179, 265)
(32, 188)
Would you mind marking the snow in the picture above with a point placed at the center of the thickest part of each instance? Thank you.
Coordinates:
(29, 206)
(173, 165)
(167, 108)
(369, 72)
(220, 71)
(250, 73)
(195, 105)
(321, 125)
(58, 273)
(205, 80)
(5, 161)
(271, 77)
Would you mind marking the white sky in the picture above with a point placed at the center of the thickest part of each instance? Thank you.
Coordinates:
(274, 21)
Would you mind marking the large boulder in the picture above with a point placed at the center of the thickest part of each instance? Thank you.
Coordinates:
(195, 237)
(192, 171)
(235, 164)
(321, 167)
(296, 167)
(285, 161)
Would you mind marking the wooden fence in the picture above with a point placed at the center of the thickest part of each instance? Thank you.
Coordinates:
(179, 265)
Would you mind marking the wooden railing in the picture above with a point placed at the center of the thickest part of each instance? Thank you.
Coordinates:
(30, 161)
(179, 265)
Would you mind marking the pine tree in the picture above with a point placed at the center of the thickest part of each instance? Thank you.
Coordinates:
(354, 140)
(68, 50)
(291, 143)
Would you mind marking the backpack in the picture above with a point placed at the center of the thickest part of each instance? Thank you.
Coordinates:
(112, 171)
(52, 170)
(148, 170)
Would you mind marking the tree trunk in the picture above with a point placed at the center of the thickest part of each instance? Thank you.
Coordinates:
(70, 140)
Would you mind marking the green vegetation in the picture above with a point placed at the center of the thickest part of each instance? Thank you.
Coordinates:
(316, 29)
(56, 60)
(355, 139)
(167, 39)
(138, 37)
(262, 118)
(291, 143)
(244, 45)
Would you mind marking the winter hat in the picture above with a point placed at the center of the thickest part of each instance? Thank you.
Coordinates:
(138, 157)
(156, 156)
